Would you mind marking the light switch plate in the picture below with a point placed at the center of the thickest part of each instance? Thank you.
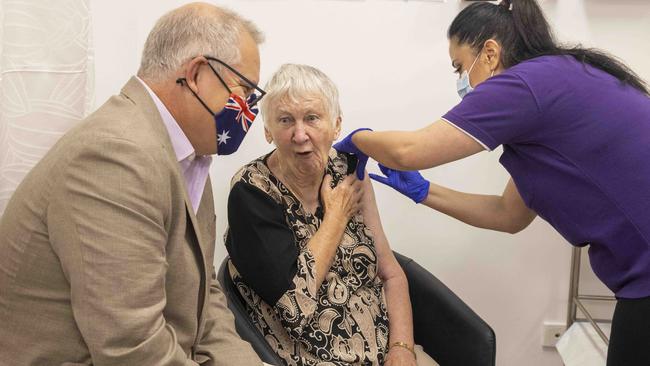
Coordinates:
(551, 333)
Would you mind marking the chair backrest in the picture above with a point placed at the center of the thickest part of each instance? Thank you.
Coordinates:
(243, 323)
(447, 329)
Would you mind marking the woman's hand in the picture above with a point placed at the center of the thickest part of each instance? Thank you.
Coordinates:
(400, 356)
(343, 201)
(339, 204)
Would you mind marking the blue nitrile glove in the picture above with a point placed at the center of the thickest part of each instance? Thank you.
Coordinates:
(409, 183)
(346, 145)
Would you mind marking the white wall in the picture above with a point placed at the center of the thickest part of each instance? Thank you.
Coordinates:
(390, 61)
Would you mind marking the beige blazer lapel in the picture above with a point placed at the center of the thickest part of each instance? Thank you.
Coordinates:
(135, 91)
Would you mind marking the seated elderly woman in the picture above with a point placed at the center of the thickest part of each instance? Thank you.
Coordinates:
(308, 253)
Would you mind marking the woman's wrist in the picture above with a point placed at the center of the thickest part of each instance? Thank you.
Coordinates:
(337, 220)
(403, 346)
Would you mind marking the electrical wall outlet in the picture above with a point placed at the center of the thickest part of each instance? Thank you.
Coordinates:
(551, 333)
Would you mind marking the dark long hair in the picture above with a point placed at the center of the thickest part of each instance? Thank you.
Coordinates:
(523, 32)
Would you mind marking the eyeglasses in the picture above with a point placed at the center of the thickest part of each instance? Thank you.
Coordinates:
(256, 93)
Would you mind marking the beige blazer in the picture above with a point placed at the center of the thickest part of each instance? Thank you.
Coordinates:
(102, 259)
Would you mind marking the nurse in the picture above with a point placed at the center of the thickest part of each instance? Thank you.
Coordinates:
(574, 124)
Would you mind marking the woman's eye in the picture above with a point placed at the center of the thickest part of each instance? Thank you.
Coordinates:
(284, 120)
(312, 118)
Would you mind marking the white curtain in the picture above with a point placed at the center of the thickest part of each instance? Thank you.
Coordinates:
(46, 81)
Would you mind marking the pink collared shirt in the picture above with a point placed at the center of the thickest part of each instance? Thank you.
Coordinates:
(195, 168)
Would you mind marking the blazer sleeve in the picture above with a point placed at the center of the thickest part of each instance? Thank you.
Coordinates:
(220, 345)
(106, 220)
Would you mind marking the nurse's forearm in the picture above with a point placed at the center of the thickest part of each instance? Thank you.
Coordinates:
(390, 148)
(484, 211)
(436, 144)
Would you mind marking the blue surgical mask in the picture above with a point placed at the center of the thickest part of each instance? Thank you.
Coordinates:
(463, 85)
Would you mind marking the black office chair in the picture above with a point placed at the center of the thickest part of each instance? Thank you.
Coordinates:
(447, 329)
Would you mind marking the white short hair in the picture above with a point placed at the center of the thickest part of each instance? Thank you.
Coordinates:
(295, 82)
(193, 30)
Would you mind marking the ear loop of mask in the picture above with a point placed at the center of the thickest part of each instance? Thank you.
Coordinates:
(463, 85)
(472, 67)
(183, 81)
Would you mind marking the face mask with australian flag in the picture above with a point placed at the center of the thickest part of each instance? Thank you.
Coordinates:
(233, 122)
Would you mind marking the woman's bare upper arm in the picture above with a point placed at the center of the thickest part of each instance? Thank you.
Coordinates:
(386, 261)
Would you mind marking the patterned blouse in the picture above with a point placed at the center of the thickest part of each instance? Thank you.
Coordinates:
(341, 322)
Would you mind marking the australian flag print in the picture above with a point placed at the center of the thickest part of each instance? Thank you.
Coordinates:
(233, 122)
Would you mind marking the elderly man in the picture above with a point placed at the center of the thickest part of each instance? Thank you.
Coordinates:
(107, 245)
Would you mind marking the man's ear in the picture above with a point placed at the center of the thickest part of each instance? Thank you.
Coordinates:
(191, 72)
(492, 52)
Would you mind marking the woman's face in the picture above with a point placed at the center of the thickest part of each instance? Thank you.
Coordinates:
(303, 132)
(485, 61)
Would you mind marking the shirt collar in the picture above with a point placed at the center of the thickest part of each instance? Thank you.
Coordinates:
(182, 146)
